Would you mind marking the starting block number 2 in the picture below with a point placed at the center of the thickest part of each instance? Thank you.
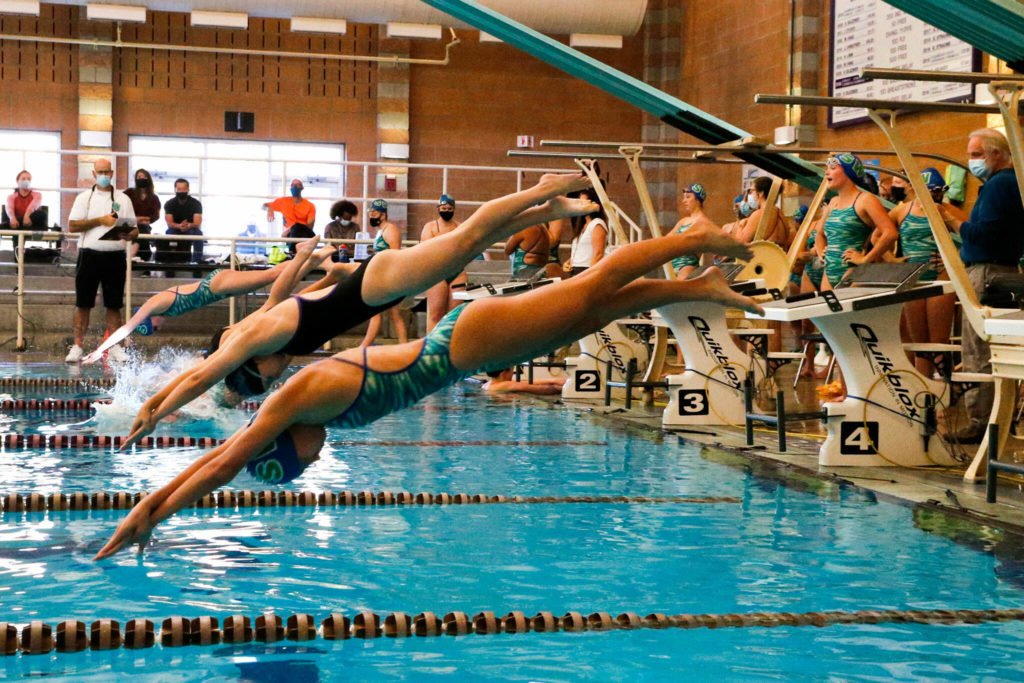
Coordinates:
(693, 402)
(858, 438)
(588, 380)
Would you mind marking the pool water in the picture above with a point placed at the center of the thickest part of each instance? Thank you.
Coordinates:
(775, 549)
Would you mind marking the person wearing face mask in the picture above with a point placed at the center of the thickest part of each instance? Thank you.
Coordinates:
(756, 203)
(926, 320)
(23, 206)
(184, 216)
(299, 214)
(439, 297)
(388, 237)
(342, 227)
(993, 242)
(101, 260)
(146, 205)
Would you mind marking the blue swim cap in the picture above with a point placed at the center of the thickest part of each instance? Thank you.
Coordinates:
(933, 179)
(278, 463)
(145, 328)
(800, 213)
(446, 199)
(246, 380)
(852, 167)
(698, 191)
(379, 205)
(737, 199)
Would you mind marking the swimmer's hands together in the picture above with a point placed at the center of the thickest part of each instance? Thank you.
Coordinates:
(137, 527)
(144, 424)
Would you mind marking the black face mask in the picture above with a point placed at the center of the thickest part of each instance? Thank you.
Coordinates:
(374, 222)
(898, 194)
(143, 183)
(446, 215)
(182, 196)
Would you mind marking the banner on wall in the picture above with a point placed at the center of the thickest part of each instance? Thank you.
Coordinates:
(871, 33)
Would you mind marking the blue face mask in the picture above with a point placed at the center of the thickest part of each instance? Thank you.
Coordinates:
(978, 168)
(103, 180)
(296, 191)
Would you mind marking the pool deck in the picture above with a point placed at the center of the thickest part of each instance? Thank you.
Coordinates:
(936, 489)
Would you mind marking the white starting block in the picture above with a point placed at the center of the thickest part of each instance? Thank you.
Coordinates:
(885, 408)
(588, 372)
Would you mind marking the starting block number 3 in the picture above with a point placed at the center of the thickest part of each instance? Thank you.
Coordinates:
(588, 380)
(858, 438)
(693, 402)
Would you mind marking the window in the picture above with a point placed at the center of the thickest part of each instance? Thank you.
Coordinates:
(234, 178)
(38, 153)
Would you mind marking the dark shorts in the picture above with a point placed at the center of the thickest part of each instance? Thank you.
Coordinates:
(97, 268)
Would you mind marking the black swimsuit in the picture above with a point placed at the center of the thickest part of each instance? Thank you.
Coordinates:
(323, 319)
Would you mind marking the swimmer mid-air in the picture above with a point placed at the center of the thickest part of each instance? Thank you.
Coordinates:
(219, 284)
(252, 353)
(358, 386)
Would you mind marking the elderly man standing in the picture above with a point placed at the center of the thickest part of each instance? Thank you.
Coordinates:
(104, 218)
(993, 241)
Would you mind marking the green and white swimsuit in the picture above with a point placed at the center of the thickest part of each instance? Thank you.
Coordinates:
(687, 261)
(185, 303)
(918, 243)
(380, 244)
(844, 230)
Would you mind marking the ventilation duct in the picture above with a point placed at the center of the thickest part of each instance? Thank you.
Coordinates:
(607, 17)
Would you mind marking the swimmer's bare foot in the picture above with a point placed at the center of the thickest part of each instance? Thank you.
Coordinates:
(716, 289)
(714, 241)
(307, 247)
(554, 184)
(564, 207)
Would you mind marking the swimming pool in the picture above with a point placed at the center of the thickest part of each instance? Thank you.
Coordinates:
(775, 549)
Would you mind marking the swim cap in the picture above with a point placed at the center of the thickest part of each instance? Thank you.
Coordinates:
(278, 463)
(698, 191)
(379, 205)
(145, 328)
(852, 167)
(446, 199)
(246, 380)
(737, 199)
(800, 213)
(932, 178)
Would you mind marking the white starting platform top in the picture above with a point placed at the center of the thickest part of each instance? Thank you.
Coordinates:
(1010, 324)
(504, 289)
(848, 299)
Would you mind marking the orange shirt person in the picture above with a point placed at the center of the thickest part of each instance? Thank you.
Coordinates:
(295, 209)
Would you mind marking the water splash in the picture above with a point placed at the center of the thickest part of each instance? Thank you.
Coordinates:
(140, 378)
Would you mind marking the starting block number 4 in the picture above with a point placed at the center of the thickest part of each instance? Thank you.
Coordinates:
(693, 402)
(588, 380)
(858, 438)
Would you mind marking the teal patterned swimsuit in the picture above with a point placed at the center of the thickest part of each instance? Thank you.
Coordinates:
(185, 303)
(688, 261)
(380, 244)
(918, 243)
(383, 393)
(812, 267)
(844, 230)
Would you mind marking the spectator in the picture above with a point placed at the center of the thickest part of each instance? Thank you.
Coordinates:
(342, 227)
(439, 297)
(388, 237)
(992, 244)
(184, 216)
(100, 255)
(299, 214)
(757, 203)
(589, 237)
(24, 205)
(529, 250)
(147, 211)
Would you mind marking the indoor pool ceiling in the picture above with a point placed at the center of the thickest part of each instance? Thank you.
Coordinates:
(610, 17)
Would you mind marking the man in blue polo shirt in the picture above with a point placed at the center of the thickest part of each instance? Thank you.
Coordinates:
(993, 241)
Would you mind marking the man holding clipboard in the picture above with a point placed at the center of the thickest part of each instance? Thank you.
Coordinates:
(104, 218)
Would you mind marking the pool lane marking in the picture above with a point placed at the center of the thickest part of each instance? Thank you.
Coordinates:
(11, 440)
(72, 635)
(15, 503)
(468, 443)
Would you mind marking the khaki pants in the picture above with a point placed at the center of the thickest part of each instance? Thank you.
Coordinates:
(976, 354)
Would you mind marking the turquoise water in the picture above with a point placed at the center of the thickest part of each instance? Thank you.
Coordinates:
(777, 549)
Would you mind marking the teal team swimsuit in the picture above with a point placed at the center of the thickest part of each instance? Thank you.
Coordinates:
(185, 303)
(383, 393)
(684, 261)
(918, 243)
(812, 267)
(380, 244)
(844, 230)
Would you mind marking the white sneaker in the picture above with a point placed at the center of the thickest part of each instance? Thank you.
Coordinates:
(116, 354)
(74, 354)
